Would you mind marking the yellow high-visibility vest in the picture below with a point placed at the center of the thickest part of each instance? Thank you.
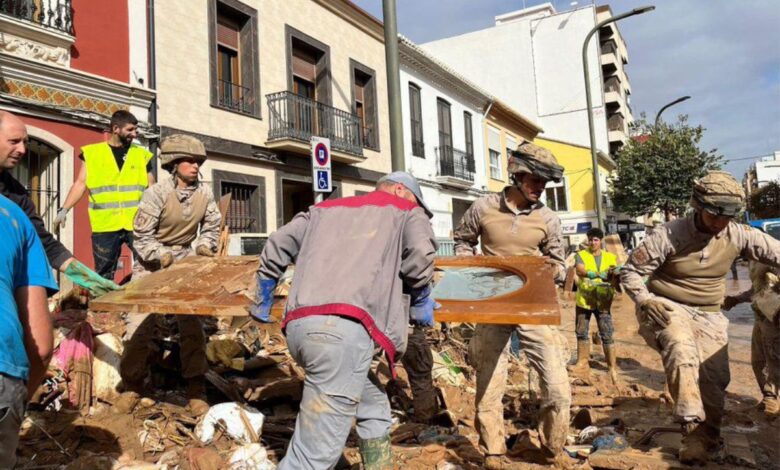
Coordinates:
(114, 195)
(588, 295)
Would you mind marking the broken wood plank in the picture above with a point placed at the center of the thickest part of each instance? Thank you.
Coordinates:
(634, 459)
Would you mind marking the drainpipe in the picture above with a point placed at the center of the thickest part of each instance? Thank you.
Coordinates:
(152, 82)
(393, 86)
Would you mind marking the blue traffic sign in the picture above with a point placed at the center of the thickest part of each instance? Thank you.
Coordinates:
(323, 180)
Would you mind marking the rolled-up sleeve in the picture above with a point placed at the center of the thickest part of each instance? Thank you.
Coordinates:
(467, 234)
(553, 245)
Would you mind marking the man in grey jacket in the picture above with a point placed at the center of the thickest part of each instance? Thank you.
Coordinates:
(353, 257)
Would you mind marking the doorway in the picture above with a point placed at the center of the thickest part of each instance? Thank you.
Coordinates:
(296, 196)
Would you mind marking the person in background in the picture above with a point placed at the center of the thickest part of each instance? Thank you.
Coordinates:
(115, 174)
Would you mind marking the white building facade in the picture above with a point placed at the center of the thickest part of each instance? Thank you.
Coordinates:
(532, 59)
(443, 137)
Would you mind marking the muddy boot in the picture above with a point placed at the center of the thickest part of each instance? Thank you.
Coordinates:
(581, 368)
(771, 406)
(376, 453)
(196, 394)
(699, 442)
(611, 356)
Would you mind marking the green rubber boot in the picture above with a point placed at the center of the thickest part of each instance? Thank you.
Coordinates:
(376, 453)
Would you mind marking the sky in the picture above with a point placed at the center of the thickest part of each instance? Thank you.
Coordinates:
(725, 54)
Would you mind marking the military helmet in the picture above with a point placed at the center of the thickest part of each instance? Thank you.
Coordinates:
(530, 158)
(178, 146)
(719, 193)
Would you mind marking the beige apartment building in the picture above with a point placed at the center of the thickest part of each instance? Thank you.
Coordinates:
(255, 80)
(617, 87)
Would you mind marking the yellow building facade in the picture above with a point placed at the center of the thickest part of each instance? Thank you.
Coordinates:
(573, 199)
(504, 129)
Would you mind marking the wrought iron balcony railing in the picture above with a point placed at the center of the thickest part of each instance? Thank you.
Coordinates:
(299, 118)
(54, 14)
(455, 163)
(234, 96)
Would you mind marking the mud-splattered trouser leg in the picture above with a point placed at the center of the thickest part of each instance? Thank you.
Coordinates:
(765, 354)
(603, 320)
(488, 354)
(336, 354)
(106, 248)
(694, 352)
(13, 401)
(140, 335)
(418, 362)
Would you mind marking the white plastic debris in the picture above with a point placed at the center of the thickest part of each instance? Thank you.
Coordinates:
(251, 457)
(105, 367)
(229, 416)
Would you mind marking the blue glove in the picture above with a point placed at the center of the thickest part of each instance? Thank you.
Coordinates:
(604, 276)
(422, 306)
(592, 275)
(260, 310)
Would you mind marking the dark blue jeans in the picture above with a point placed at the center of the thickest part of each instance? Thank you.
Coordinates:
(603, 320)
(106, 248)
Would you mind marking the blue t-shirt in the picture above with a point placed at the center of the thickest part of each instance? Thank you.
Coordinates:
(22, 263)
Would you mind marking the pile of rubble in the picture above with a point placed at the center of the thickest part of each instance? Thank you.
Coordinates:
(79, 419)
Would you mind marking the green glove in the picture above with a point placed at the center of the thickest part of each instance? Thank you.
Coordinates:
(89, 279)
(603, 276)
(592, 275)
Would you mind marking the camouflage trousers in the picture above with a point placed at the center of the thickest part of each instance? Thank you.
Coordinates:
(142, 329)
(695, 356)
(765, 354)
(489, 355)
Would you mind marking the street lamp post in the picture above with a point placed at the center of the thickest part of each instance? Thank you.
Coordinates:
(389, 19)
(589, 100)
(669, 105)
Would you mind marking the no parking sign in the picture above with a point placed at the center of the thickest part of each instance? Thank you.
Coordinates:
(320, 164)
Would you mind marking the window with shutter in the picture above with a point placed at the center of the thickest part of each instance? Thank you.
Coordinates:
(364, 103)
(415, 118)
(235, 77)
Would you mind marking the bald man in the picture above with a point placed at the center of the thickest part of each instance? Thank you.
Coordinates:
(13, 148)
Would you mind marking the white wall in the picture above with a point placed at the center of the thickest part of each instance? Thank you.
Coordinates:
(536, 67)
(429, 93)
(496, 59)
(139, 66)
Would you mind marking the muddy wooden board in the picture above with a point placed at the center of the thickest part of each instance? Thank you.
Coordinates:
(196, 285)
(533, 303)
(224, 286)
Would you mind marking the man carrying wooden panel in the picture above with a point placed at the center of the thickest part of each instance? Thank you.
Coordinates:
(515, 222)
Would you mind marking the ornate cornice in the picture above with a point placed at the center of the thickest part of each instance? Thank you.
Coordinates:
(27, 40)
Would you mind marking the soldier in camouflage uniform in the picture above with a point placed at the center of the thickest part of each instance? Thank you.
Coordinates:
(765, 341)
(177, 217)
(515, 222)
(679, 309)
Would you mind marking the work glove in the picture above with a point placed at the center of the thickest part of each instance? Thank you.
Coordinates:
(59, 221)
(730, 302)
(203, 250)
(592, 275)
(89, 279)
(260, 309)
(422, 306)
(603, 276)
(657, 311)
(166, 259)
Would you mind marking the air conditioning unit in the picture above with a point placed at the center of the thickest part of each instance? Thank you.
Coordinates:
(246, 244)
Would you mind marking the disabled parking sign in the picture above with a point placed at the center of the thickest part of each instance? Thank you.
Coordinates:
(320, 163)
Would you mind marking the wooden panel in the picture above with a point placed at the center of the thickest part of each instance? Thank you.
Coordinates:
(536, 303)
(193, 286)
(225, 286)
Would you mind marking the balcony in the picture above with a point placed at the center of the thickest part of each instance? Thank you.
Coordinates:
(294, 119)
(234, 97)
(50, 14)
(616, 126)
(454, 167)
